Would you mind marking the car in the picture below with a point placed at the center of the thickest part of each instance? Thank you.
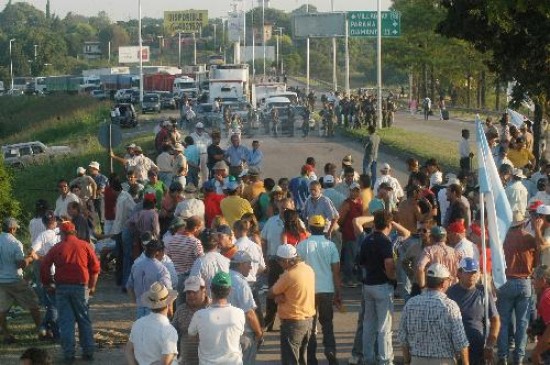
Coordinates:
(167, 100)
(126, 116)
(151, 102)
(238, 107)
(99, 94)
(208, 116)
(19, 155)
(123, 96)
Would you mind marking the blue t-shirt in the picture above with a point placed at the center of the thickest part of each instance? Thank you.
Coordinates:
(299, 187)
(473, 315)
(320, 253)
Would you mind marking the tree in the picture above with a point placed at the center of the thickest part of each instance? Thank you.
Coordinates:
(9, 207)
(514, 35)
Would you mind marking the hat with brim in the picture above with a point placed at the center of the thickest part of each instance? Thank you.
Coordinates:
(131, 145)
(347, 160)
(253, 171)
(94, 165)
(438, 271)
(190, 189)
(158, 296)
(518, 219)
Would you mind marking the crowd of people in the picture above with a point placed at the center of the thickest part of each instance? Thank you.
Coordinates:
(197, 235)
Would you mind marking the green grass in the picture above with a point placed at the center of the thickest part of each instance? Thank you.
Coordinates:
(411, 144)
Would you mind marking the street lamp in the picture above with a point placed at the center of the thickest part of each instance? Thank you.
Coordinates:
(140, 55)
(279, 31)
(11, 64)
(35, 51)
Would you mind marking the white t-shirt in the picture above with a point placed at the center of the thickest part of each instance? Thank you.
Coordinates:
(45, 241)
(153, 336)
(36, 226)
(255, 251)
(220, 330)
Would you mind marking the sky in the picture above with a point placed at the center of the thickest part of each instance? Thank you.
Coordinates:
(127, 9)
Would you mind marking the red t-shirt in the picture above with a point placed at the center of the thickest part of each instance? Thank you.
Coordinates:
(110, 203)
(212, 207)
(75, 261)
(544, 306)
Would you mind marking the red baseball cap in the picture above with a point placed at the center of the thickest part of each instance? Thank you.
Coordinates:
(456, 227)
(535, 204)
(67, 226)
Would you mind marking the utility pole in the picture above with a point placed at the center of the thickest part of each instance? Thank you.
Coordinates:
(334, 77)
(307, 55)
(140, 56)
(379, 62)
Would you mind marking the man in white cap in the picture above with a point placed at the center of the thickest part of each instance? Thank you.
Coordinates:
(431, 329)
(180, 161)
(516, 192)
(190, 205)
(202, 141)
(294, 292)
(241, 297)
(385, 176)
(153, 340)
(195, 299)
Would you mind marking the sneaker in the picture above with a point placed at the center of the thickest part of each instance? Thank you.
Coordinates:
(353, 360)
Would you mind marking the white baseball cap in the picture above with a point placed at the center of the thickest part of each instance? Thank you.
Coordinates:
(80, 170)
(385, 166)
(543, 210)
(328, 179)
(286, 251)
(438, 271)
(199, 125)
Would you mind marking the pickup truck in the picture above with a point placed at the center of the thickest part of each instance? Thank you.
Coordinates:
(31, 153)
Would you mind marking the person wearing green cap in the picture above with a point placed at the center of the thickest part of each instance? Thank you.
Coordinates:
(219, 326)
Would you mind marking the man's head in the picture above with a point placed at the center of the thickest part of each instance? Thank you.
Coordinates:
(317, 224)
(199, 128)
(284, 204)
(73, 209)
(349, 175)
(152, 175)
(438, 277)
(63, 187)
(371, 129)
(194, 225)
(465, 133)
(354, 190)
(412, 164)
(385, 169)
(383, 220)
(384, 190)
(456, 232)
(10, 225)
(241, 262)
(315, 189)
(225, 236)
(423, 231)
(93, 168)
(154, 248)
(347, 161)
(287, 256)
(454, 192)
(158, 297)
(468, 272)
(255, 144)
(220, 285)
(67, 228)
(328, 181)
(543, 211)
(240, 227)
(195, 291)
(438, 234)
(235, 140)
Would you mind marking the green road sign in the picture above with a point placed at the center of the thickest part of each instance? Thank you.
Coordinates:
(365, 23)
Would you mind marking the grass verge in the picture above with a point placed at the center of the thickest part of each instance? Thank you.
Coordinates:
(411, 144)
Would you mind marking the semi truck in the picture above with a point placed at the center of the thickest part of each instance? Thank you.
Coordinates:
(63, 84)
(229, 82)
(158, 82)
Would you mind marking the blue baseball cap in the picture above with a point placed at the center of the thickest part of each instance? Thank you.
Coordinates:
(469, 264)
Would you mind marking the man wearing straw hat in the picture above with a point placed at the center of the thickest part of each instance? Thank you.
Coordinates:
(153, 340)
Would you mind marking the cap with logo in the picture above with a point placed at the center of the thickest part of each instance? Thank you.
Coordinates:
(224, 229)
(469, 264)
(286, 251)
(194, 283)
(438, 271)
(328, 179)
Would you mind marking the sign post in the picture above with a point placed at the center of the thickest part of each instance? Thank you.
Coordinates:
(365, 24)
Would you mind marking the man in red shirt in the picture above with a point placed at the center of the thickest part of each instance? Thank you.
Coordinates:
(212, 202)
(75, 278)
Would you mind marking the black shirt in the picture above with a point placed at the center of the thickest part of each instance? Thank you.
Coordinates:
(213, 150)
(375, 249)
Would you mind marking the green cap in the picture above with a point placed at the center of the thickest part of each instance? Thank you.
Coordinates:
(438, 231)
(221, 279)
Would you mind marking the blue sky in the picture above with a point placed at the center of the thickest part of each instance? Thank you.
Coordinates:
(127, 9)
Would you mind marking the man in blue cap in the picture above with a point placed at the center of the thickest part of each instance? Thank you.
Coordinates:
(470, 297)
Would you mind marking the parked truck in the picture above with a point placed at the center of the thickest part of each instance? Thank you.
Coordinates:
(112, 83)
(158, 82)
(229, 82)
(63, 84)
(105, 71)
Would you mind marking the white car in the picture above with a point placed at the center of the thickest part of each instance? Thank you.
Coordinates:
(31, 153)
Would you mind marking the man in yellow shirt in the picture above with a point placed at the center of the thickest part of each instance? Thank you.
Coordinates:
(255, 185)
(233, 206)
(520, 154)
(294, 293)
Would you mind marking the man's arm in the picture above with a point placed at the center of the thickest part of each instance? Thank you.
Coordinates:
(254, 323)
(543, 345)
(337, 282)
(359, 222)
(492, 338)
(406, 355)
(129, 354)
(537, 224)
(420, 269)
(167, 359)
(389, 268)
(465, 356)
(403, 232)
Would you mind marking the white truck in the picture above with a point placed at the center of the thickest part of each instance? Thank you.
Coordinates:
(229, 82)
(185, 86)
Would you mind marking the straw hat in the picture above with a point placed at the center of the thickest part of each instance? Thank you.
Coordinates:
(158, 296)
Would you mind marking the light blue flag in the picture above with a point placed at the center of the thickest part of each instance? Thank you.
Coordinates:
(515, 117)
(497, 207)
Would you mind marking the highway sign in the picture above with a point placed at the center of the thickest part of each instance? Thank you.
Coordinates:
(365, 24)
(109, 135)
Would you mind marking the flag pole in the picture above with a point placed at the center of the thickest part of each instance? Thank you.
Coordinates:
(484, 260)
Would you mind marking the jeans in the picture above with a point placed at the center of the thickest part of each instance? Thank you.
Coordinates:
(127, 258)
(249, 347)
(193, 176)
(72, 304)
(349, 254)
(404, 285)
(47, 300)
(294, 341)
(274, 271)
(514, 296)
(377, 324)
(325, 314)
(369, 168)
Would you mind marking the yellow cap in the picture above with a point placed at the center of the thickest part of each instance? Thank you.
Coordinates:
(317, 221)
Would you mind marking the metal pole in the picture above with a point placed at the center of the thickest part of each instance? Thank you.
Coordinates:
(35, 51)
(263, 29)
(307, 66)
(109, 52)
(244, 24)
(484, 258)
(140, 56)
(334, 78)
(11, 65)
(215, 27)
(179, 49)
(379, 62)
(277, 58)
(111, 145)
(347, 60)
(194, 49)
(253, 43)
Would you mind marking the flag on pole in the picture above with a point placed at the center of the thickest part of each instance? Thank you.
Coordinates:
(515, 117)
(497, 207)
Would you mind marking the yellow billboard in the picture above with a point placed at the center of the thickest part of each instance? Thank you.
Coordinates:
(185, 21)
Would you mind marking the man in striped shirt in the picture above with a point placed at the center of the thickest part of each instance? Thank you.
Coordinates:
(184, 248)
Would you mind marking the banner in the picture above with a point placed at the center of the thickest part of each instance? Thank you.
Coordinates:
(185, 21)
(131, 54)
